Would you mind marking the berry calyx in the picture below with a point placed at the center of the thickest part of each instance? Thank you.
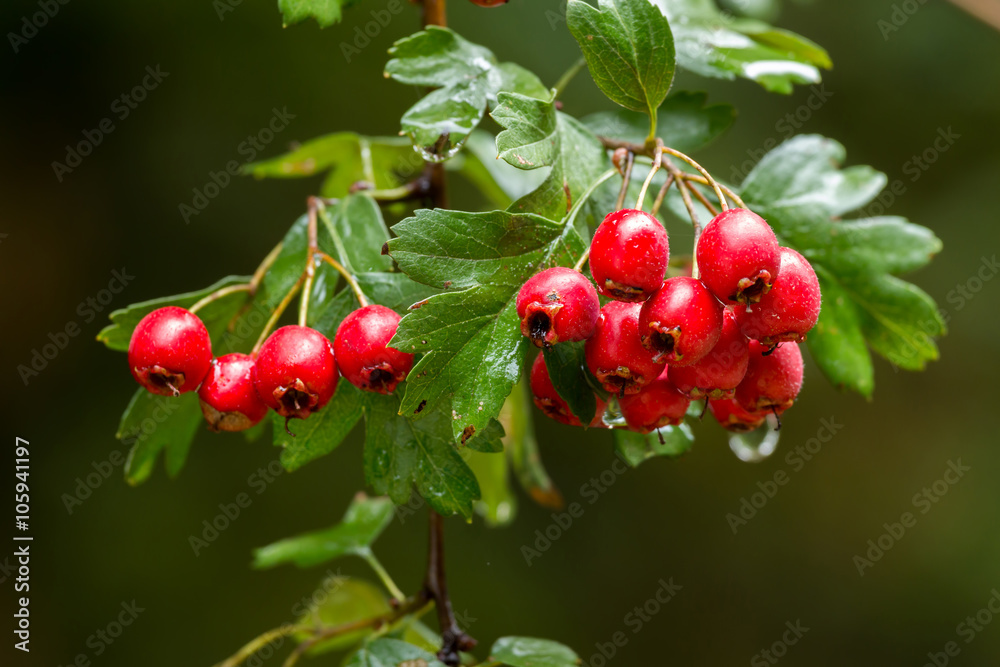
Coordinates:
(790, 309)
(558, 304)
(773, 379)
(548, 400)
(732, 417)
(364, 357)
(658, 404)
(681, 322)
(717, 374)
(738, 256)
(170, 351)
(296, 373)
(615, 354)
(629, 255)
(228, 398)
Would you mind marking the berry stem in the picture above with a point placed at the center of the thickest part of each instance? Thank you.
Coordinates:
(729, 192)
(699, 195)
(568, 76)
(577, 206)
(661, 195)
(220, 293)
(355, 287)
(695, 225)
(313, 204)
(278, 312)
(262, 269)
(626, 180)
(657, 160)
(704, 172)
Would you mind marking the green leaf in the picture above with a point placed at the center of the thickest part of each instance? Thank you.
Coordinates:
(357, 233)
(716, 44)
(684, 122)
(326, 12)
(576, 163)
(568, 370)
(153, 423)
(344, 600)
(467, 78)
(116, 336)
(498, 504)
(629, 50)
(499, 182)
(471, 339)
(363, 522)
(531, 652)
(635, 448)
(400, 454)
(349, 158)
(323, 431)
(801, 190)
(392, 653)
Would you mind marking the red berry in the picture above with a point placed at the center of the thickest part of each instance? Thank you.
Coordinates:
(295, 373)
(738, 256)
(615, 354)
(733, 417)
(228, 398)
(548, 400)
(773, 379)
(556, 305)
(363, 354)
(682, 322)
(170, 351)
(790, 309)
(716, 374)
(658, 404)
(629, 255)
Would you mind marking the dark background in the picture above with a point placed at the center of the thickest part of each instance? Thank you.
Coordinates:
(793, 561)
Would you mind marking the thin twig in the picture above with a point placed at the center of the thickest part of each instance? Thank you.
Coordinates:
(661, 195)
(454, 640)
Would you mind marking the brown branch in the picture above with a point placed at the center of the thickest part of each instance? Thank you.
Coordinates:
(453, 638)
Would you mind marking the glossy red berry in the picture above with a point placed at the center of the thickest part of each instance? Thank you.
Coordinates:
(658, 404)
(364, 357)
(629, 255)
(789, 309)
(558, 304)
(738, 256)
(773, 379)
(548, 400)
(295, 374)
(615, 354)
(717, 374)
(681, 322)
(732, 417)
(229, 400)
(170, 351)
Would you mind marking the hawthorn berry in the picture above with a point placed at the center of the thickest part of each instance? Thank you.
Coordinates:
(228, 398)
(732, 417)
(170, 351)
(548, 400)
(773, 379)
(296, 372)
(558, 304)
(790, 308)
(656, 405)
(615, 354)
(364, 357)
(629, 255)
(717, 374)
(738, 256)
(681, 322)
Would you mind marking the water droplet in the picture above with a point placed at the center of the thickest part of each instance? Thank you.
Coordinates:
(755, 446)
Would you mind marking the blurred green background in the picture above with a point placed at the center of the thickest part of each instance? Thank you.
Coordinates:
(667, 519)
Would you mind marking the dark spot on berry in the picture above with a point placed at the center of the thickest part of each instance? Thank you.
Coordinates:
(539, 326)
(423, 404)
(379, 379)
(753, 291)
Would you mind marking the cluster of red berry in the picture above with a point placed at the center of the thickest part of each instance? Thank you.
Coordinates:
(730, 336)
(294, 372)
